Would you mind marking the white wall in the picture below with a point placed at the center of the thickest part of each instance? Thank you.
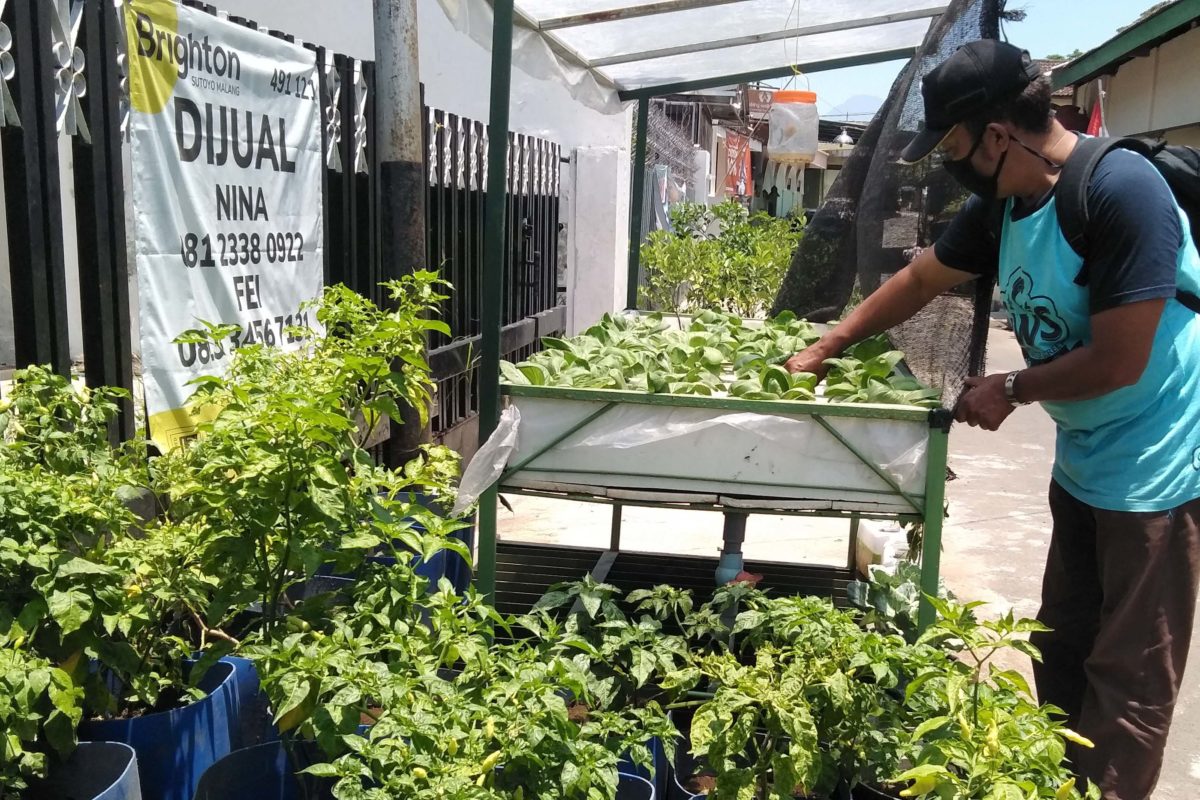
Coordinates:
(455, 71)
(454, 68)
(601, 240)
(1158, 91)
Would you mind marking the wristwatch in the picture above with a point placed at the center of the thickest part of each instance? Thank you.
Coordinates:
(1010, 388)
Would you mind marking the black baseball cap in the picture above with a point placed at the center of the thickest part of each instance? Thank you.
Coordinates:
(978, 75)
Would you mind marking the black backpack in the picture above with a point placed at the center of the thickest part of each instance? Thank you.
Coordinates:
(1179, 165)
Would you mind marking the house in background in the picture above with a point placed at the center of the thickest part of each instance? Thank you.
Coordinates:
(1145, 77)
(727, 131)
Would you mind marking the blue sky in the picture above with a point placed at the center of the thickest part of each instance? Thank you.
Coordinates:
(1051, 26)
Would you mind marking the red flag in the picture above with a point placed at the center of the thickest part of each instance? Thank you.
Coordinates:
(1096, 123)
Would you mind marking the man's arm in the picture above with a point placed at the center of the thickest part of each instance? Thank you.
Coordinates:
(1134, 234)
(903, 295)
(1122, 338)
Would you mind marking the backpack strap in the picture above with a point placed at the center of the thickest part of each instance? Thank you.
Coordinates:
(1189, 300)
(995, 220)
(1072, 189)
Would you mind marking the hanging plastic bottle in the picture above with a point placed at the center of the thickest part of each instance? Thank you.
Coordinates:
(793, 121)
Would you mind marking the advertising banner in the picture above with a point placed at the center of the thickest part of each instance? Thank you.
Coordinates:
(227, 160)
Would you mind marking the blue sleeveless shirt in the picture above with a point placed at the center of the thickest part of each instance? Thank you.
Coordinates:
(1136, 448)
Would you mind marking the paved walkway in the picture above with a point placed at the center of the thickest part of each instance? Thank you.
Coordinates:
(999, 530)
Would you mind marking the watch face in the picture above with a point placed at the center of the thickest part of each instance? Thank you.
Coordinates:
(1010, 389)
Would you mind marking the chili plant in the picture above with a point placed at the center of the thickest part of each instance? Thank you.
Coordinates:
(72, 572)
(40, 705)
(615, 658)
(983, 735)
(279, 477)
(511, 737)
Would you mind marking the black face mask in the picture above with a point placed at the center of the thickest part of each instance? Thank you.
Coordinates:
(986, 187)
(961, 170)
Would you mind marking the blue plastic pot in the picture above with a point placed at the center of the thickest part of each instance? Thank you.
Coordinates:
(633, 787)
(175, 747)
(269, 772)
(95, 771)
(247, 707)
(264, 772)
(661, 768)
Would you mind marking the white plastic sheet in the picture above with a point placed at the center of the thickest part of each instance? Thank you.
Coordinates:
(533, 55)
(629, 429)
(489, 461)
(712, 450)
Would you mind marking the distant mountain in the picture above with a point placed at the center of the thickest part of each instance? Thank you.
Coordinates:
(860, 108)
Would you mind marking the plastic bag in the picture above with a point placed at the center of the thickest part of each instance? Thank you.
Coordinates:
(794, 128)
(489, 462)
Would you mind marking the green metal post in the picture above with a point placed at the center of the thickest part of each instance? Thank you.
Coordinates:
(935, 509)
(494, 242)
(637, 199)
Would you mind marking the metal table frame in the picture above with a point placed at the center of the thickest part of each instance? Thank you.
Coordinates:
(928, 509)
(492, 280)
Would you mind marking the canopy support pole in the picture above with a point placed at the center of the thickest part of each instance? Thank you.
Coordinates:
(493, 278)
(637, 203)
(767, 74)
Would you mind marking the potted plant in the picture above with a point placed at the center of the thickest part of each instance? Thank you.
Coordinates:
(73, 572)
(513, 737)
(719, 258)
(981, 734)
(800, 701)
(279, 477)
(39, 709)
(617, 659)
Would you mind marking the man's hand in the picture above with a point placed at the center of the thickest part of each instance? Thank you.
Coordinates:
(983, 403)
(811, 360)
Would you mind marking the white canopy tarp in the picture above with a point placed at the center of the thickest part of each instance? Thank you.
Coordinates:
(600, 48)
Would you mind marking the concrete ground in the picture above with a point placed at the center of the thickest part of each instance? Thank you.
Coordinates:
(999, 530)
(994, 544)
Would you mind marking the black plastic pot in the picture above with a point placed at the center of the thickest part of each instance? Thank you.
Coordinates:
(95, 771)
(864, 792)
(633, 787)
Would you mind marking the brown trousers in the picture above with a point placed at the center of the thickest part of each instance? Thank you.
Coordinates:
(1120, 595)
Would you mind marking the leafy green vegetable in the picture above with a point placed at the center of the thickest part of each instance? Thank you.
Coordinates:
(717, 353)
(718, 258)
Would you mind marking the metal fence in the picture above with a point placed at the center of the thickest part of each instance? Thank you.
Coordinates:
(62, 74)
(456, 162)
